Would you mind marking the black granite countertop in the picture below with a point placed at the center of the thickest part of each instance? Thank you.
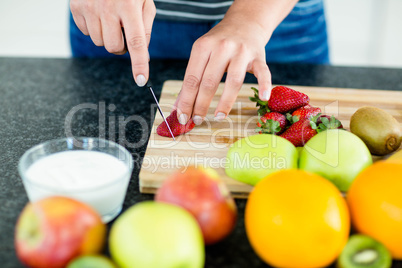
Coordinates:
(37, 94)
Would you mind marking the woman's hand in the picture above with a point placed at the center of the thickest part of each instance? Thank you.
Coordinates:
(103, 21)
(236, 45)
(232, 47)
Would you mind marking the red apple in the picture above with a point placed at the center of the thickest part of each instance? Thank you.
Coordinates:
(54, 230)
(206, 197)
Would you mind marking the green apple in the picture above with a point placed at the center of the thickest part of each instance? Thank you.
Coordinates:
(253, 158)
(154, 234)
(91, 261)
(337, 155)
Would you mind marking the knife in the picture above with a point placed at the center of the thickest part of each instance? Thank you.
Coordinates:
(160, 110)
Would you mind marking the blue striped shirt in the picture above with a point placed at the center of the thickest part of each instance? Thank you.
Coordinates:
(206, 10)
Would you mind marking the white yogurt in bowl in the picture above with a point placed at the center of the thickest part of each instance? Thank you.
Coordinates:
(95, 175)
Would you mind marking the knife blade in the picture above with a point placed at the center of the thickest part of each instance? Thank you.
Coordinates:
(160, 110)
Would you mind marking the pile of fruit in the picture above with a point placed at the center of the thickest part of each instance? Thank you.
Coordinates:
(193, 208)
(295, 216)
(294, 134)
(288, 113)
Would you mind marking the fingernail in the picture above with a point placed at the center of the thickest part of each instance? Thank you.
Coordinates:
(220, 116)
(266, 94)
(140, 80)
(183, 119)
(197, 120)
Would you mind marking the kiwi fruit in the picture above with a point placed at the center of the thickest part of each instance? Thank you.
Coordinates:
(362, 251)
(379, 130)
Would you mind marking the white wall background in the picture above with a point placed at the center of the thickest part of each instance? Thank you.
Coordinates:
(34, 28)
(365, 32)
(362, 32)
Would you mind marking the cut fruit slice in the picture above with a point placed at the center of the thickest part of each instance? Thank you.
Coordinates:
(175, 126)
(362, 251)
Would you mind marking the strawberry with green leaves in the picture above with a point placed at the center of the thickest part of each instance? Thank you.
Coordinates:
(282, 100)
(271, 123)
(303, 112)
(303, 130)
(328, 122)
(262, 105)
(175, 126)
(306, 111)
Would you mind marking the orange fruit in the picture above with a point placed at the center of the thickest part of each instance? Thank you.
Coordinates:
(375, 202)
(294, 218)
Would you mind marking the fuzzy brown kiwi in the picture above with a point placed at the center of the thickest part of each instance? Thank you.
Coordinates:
(379, 130)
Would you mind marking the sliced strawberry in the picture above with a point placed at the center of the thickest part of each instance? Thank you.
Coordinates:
(303, 130)
(175, 126)
(284, 99)
(271, 123)
(303, 112)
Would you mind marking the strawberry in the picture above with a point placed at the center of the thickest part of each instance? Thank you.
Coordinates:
(262, 105)
(271, 123)
(175, 126)
(303, 112)
(328, 122)
(303, 130)
(284, 99)
(300, 132)
(308, 106)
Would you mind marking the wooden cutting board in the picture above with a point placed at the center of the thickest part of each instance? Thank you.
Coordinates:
(206, 145)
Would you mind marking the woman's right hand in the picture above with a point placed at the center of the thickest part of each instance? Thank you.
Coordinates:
(103, 21)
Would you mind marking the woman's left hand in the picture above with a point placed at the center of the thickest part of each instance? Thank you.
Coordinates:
(233, 47)
(236, 45)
